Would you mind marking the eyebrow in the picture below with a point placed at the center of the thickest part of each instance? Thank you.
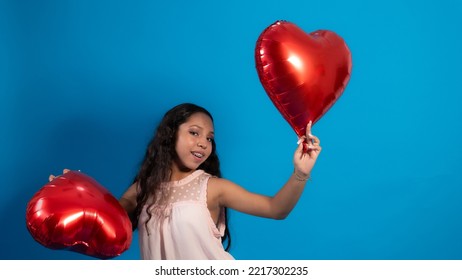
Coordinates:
(198, 126)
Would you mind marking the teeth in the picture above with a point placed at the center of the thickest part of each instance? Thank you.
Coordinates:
(198, 155)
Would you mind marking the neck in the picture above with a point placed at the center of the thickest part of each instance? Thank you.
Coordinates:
(179, 173)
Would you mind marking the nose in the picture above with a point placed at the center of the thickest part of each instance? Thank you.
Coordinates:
(202, 145)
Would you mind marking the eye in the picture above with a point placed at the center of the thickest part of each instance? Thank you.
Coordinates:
(210, 139)
(194, 133)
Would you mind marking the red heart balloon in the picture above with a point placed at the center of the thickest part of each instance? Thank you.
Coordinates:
(75, 212)
(303, 74)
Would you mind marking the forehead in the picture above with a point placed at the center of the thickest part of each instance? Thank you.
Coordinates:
(200, 119)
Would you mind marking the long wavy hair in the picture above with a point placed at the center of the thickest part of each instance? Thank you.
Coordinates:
(156, 167)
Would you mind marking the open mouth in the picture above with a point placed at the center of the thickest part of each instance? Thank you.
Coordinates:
(198, 155)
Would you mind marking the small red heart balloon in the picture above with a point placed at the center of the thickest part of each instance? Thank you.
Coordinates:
(75, 212)
(303, 74)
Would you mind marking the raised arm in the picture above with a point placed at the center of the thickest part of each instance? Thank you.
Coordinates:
(280, 205)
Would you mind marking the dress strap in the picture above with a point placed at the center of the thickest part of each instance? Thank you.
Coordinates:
(203, 182)
(219, 228)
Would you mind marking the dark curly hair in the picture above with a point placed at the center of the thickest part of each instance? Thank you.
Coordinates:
(160, 154)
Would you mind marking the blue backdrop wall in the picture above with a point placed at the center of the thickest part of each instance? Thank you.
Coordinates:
(84, 83)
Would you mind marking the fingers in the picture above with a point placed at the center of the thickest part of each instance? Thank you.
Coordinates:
(300, 143)
(314, 144)
(52, 177)
(308, 129)
(308, 134)
(315, 148)
(315, 140)
(309, 141)
(307, 146)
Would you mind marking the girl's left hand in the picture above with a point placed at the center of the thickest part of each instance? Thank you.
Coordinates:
(307, 152)
(52, 177)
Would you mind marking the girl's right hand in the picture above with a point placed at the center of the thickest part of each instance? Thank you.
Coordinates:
(52, 177)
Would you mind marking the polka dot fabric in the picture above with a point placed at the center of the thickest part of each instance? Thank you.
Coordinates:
(181, 226)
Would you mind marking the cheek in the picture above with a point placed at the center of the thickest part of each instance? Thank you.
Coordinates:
(182, 142)
(179, 147)
(209, 149)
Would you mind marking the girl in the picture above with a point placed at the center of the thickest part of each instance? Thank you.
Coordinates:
(178, 200)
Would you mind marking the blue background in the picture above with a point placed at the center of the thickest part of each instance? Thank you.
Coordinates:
(84, 83)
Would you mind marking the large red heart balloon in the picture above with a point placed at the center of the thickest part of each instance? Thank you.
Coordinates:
(303, 74)
(75, 212)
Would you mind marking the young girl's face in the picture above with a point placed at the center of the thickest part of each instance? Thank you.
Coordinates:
(194, 141)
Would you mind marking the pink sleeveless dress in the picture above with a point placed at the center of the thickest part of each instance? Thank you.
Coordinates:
(182, 228)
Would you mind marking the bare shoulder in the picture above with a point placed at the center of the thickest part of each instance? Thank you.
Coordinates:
(224, 188)
(217, 187)
(220, 184)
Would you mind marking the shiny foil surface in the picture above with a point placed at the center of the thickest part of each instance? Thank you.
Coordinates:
(74, 212)
(303, 74)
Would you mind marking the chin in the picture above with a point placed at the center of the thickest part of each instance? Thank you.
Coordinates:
(188, 167)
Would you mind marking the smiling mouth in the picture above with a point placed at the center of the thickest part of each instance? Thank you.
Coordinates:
(198, 155)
